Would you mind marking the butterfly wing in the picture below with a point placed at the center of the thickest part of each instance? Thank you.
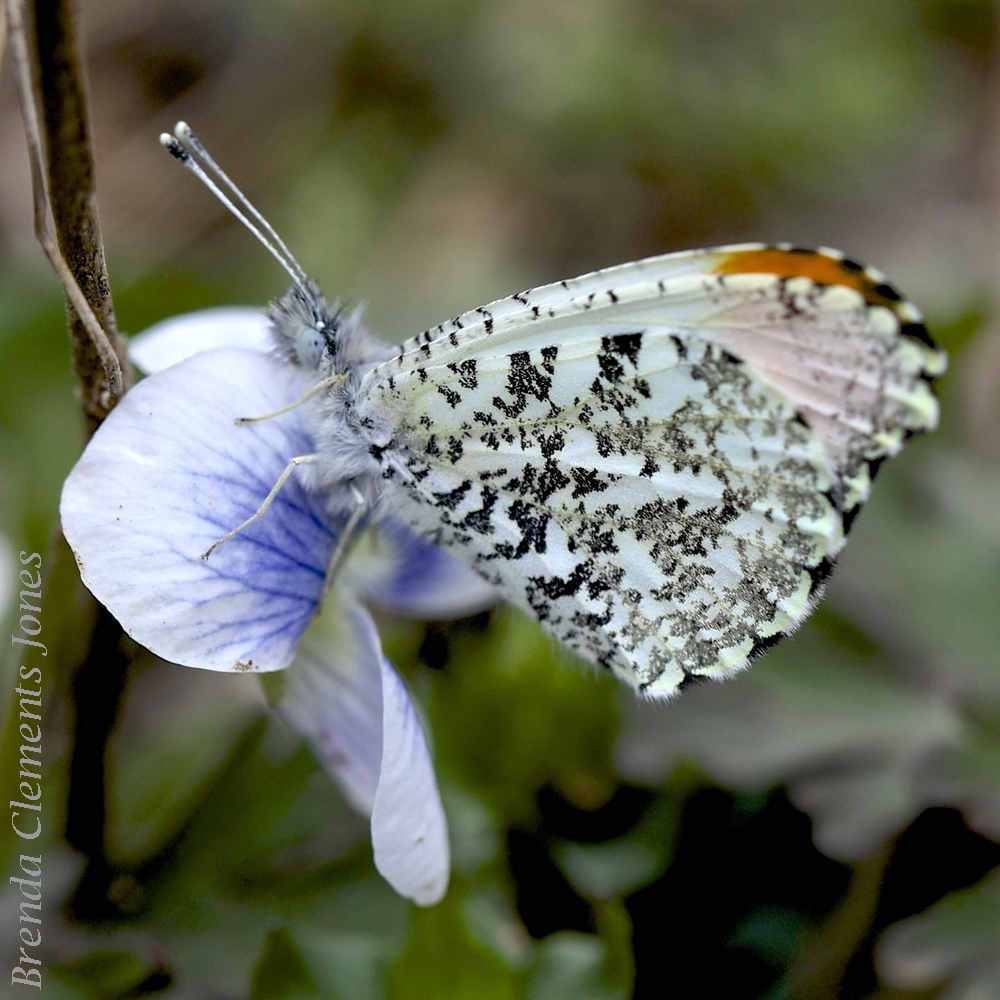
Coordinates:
(660, 461)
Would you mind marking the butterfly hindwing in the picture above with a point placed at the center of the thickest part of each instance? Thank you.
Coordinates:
(658, 461)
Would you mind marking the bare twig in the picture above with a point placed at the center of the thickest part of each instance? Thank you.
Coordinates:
(3, 32)
(77, 253)
(53, 104)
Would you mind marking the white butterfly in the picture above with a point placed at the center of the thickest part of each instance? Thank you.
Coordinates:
(659, 461)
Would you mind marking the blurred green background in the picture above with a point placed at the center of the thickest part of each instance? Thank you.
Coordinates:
(828, 824)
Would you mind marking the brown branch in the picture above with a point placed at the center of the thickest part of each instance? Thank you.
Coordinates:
(44, 49)
(3, 33)
(53, 104)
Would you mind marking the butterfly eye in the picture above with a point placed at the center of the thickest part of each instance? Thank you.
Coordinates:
(309, 347)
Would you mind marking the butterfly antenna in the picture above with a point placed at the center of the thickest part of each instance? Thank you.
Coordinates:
(187, 157)
(183, 132)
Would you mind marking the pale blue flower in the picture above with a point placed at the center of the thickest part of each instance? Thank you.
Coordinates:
(168, 473)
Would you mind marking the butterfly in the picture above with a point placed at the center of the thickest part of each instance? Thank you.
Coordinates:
(659, 461)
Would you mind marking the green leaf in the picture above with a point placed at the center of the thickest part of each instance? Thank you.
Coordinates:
(272, 845)
(843, 731)
(951, 940)
(572, 966)
(305, 965)
(510, 718)
(772, 932)
(614, 868)
(443, 961)
(168, 753)
(103, 974)
(282, 973)
(609, 870)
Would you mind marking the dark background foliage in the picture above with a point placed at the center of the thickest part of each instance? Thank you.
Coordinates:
(825, 825)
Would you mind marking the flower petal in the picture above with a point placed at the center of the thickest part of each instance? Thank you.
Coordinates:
(356, 713)
(419, 580)
(332, 695)
(167, 474)
(172, 340)
(409, 832)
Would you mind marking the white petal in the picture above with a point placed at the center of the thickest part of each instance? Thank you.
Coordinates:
(422, 581)
(332, 695)
(172, 340)
(355, 711)
(167, 474)
(409, 832)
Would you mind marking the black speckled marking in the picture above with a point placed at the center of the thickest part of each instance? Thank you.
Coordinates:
(664, 502)
(761, 646)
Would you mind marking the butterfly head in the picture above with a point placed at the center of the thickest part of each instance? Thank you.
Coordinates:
(305, 327)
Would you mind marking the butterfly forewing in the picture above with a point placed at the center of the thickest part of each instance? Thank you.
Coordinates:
(658, 461)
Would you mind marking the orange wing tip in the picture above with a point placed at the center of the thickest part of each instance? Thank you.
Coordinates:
(825, 266)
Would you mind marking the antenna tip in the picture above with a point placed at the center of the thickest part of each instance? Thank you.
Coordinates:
(182, 130)
(174, 148)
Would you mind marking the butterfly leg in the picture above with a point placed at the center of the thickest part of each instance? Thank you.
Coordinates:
(268, 500)
(314, 391)
(353, 528)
